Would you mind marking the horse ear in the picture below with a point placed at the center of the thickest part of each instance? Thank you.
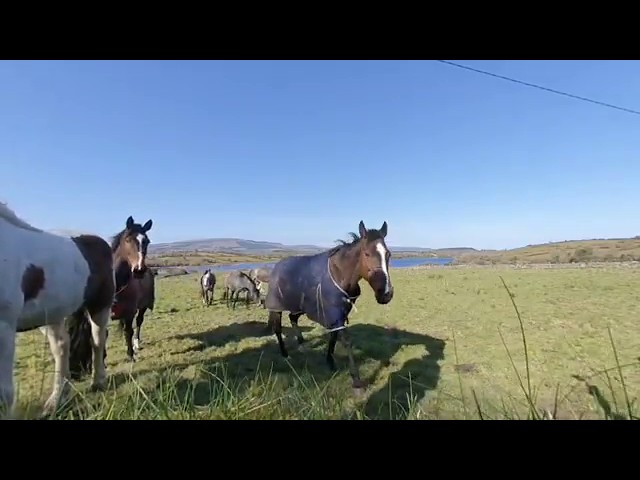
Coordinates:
(362, 229)
(383, 229)
(147, 226)
(130, 222)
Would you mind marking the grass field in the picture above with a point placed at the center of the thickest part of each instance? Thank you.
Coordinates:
(448, 346)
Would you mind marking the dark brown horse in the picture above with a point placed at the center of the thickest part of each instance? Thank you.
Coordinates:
(129, 249)
(134, 292)
(326, 285)
(146, 301)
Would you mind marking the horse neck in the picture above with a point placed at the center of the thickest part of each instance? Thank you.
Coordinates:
(120, 255)
(345, 267)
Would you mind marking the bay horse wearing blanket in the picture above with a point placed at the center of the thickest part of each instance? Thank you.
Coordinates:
(44, 279)
(207, 285)
(325, 286)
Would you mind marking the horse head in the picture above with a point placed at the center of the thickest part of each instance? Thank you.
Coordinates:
(374, 262)
(131, 245)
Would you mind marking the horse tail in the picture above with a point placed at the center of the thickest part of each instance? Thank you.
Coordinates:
(80, 350)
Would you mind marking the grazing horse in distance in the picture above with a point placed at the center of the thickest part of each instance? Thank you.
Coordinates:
(44, 279)
(237, 282)
(325, 286)
(129, 248)
(207, 284)
(259, 276)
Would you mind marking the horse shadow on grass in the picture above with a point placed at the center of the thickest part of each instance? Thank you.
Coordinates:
(393, 362)
(224, 334)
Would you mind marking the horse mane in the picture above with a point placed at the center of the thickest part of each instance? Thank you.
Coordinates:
(243, 274)
(10, 216)
(116, 239)
(372, 234)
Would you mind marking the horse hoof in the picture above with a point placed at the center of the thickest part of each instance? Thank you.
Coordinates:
(97, 387)
(131, 359)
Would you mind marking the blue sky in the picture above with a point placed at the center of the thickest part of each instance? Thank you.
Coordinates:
(300, 152)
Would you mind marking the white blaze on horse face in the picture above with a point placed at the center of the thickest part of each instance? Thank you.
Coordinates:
(382, 251)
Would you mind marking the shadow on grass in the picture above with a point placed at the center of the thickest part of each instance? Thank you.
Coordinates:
(376, 350)
(399, 366)
(224, 334)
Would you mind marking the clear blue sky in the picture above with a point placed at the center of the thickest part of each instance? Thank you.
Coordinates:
(300, 152)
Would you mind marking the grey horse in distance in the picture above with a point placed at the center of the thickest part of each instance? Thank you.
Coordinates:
(260, 276)
(237, 282)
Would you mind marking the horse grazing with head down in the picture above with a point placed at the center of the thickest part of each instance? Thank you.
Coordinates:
(207, 286)
(237, 282)
(325, 286)
(45, 278)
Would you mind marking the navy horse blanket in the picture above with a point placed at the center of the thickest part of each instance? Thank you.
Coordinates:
(303, 284)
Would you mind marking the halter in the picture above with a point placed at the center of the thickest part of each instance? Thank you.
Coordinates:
(346, 298)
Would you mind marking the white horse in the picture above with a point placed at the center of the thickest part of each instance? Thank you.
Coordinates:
(207, 284)
(45, 278)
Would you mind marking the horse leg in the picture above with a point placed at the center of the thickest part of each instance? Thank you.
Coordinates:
(59, 343)
(345, 339)
(99, 324)
(236, 297)
(293, 318)
(139, 322)
(7, 359)
(128, 335)
(275, 320)
(331, 348)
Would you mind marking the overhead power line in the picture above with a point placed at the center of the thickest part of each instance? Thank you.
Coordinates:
(577, 97)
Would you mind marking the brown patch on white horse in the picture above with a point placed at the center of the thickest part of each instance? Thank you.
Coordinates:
(32, 282)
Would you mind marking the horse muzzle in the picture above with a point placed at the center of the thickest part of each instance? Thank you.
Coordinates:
(138, 271)
(383, 297)
(381, 286)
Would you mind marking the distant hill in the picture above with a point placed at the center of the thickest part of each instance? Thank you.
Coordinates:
(568, 251)
(228, 245)
(257, 247)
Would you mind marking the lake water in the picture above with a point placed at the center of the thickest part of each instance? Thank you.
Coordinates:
(395, 263)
